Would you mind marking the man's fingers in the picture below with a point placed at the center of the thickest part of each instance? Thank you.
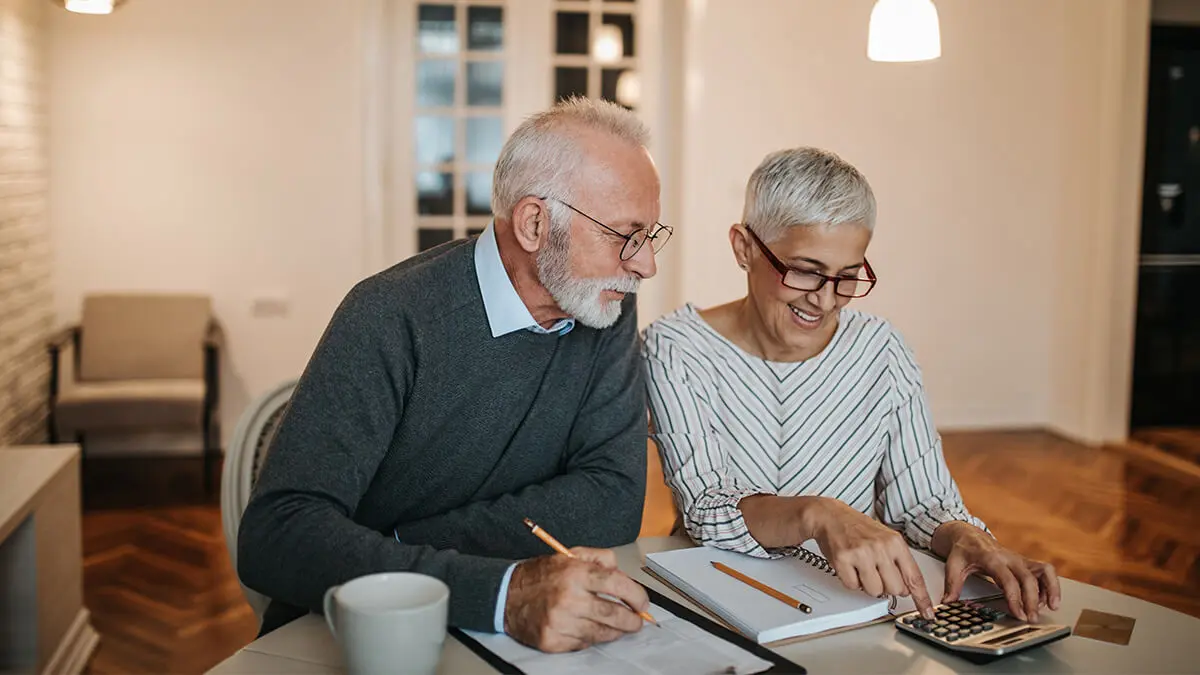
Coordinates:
(597, 633)
(580, 633)
(602, 556)
(613, 614)
(616, 584)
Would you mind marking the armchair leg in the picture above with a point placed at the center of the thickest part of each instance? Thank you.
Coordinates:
(209, 453)
(82, 469)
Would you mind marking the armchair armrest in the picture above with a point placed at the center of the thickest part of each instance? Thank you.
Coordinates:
(56, 341)
(65, 339)
(214, 342)
(215, 337)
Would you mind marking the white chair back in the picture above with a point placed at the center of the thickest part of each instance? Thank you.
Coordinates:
(247, 449)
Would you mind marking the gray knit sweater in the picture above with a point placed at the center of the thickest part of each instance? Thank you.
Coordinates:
(411, 418)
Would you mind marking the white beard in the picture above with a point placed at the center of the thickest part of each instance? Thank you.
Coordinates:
(580, 298)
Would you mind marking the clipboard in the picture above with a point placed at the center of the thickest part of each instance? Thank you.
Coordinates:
(780, 664)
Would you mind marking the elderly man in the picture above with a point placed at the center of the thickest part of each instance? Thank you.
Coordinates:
(477, 384)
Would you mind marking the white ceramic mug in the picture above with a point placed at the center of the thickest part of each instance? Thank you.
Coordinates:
(394, 622)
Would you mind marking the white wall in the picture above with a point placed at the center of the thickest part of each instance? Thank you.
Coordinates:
(212, 146)
(966, 154)
(219, 146)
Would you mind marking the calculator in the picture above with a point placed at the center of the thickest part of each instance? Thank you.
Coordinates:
(979, 631)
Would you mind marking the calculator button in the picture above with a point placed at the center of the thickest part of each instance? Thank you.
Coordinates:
(952, 637)
(941, 632)
(988, 626)
(976, 630)
(956, 603)
(927, 628)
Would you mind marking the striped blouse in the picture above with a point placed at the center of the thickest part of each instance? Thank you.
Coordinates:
(850, 423)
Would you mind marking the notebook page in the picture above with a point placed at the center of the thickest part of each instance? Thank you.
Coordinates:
(755, 614)
(678, 647)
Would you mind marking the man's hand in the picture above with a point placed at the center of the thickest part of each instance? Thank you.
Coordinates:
(867, 554)
(554, 603)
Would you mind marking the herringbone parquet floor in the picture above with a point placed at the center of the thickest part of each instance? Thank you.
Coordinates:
(157, 577)
(165, 600)
(1100, 516)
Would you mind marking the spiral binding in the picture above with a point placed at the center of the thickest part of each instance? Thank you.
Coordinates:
(815, 559)
(822, 563)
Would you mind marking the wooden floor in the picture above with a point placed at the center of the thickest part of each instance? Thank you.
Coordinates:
(1100, 516)
(1181, 443)
(157, 577)
(164, 598)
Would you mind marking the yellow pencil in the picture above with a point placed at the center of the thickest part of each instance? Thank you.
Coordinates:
(559, 548)
(754, 583)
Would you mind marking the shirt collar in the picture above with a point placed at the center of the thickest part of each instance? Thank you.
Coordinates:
(506, 312)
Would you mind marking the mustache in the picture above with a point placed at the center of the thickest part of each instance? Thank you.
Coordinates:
(621, 284)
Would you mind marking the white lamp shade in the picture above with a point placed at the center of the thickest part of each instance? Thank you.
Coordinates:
(90, 6)
(629, 88)
(904, 30)
(608, 45)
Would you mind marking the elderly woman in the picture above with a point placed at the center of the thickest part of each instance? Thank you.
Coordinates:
(786, 416)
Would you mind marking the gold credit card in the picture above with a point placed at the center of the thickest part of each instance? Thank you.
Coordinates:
(1104, 627)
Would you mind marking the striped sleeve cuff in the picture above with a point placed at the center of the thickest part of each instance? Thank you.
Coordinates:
(919, 529)
(715, 520)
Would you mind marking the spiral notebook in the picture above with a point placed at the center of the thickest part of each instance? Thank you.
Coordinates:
(803, 574)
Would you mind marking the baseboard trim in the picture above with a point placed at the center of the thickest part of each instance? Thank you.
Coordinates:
(76, 647)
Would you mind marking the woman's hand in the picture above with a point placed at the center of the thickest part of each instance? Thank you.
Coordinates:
(1029, 585)
(866, 554)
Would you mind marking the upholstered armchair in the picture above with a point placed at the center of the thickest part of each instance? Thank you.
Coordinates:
(138, 362)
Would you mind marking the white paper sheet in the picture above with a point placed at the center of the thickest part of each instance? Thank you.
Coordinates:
(678, 647)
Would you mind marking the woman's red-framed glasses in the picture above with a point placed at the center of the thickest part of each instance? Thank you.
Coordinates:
(807, 280)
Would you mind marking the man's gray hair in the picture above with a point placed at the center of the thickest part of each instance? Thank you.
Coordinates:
(541, 157)
(806, 186)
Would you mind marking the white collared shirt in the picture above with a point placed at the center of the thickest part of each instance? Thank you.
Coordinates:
(506, 312)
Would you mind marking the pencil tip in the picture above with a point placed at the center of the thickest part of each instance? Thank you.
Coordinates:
(529, 523)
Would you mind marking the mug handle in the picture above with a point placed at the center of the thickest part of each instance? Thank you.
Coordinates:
(329, 607)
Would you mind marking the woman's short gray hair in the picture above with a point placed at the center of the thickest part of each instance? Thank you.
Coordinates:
(542, 158)
(806, 186)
